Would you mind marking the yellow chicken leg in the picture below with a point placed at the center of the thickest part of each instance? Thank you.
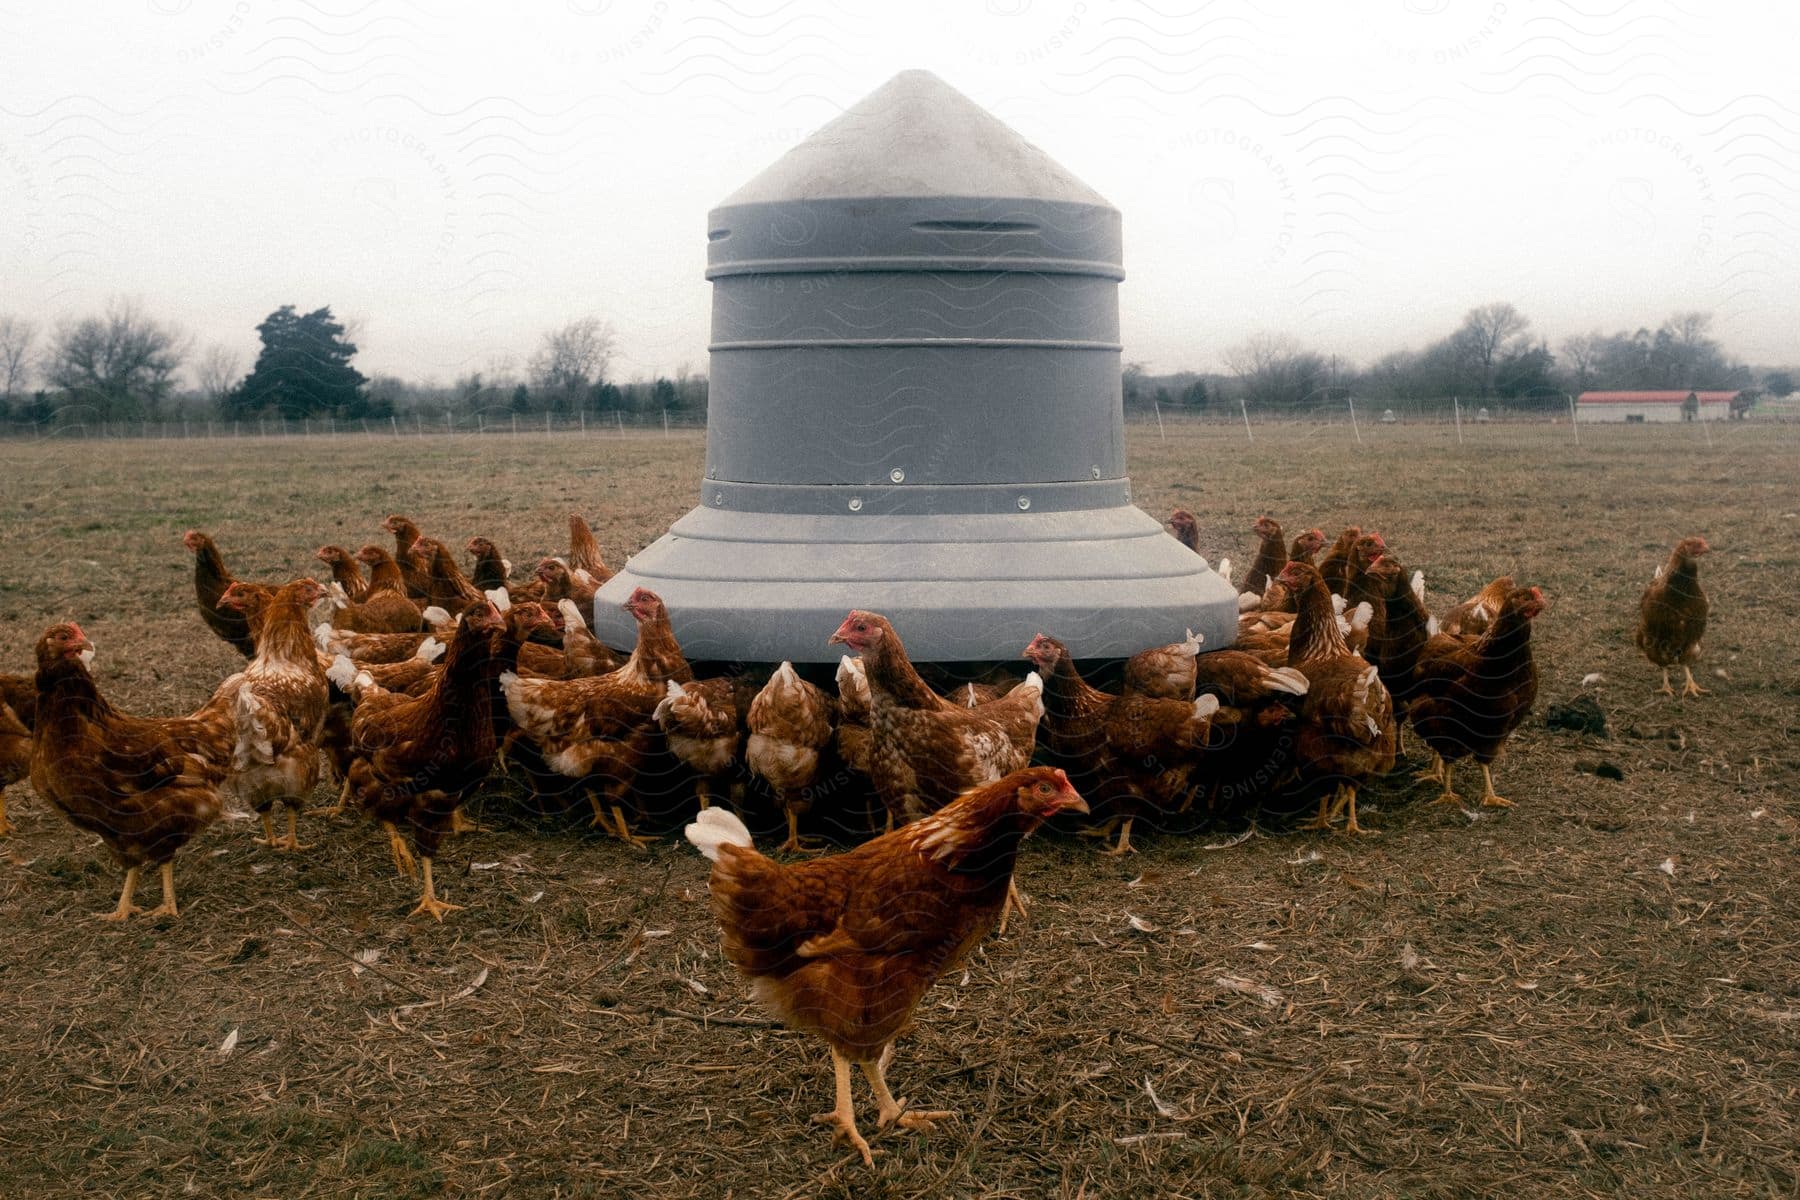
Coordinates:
(1347, 803)
(624, 829)
(1124, 846)
(403, 859)
(1667, 689)
(1327, 810)
(1435, 772)
(894, 1111)
(335, 810)
(126, 908)
(429, 902)
(795, 844)
(268, 824)
(168, 907)
(1690, 688)
(6, 826)
(1447, 778)
(843, 1117)
(703, 792)
(1014, 899)
(292, 840)
(460, 823)
(1489, 797)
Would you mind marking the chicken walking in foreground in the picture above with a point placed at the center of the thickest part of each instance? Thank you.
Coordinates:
(1672, 615)
(844, 947)
(145, 785)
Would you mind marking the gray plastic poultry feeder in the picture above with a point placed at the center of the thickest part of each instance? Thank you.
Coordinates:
(915, 409)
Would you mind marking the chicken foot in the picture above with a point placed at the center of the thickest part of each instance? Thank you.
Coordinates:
(125, 908)
(1489, 797)
(1690, 688)
(843, 1116)
(336, 810)
(622, 829)
(1323, 820)
(291, 841)
(1435, 772)
(795, 844)
(1124, 846)
(403, 859)
(894, 1111)
(429, 902)
(460, 823)
(1346, 803)
(1448, 795)
(1014, 899)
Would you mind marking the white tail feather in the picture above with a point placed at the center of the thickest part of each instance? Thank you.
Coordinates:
(1432, 628)
(715, 827)
(430, 650)
(1359, 620)
(571, 613)
(334, 592)
(1225, 569)
(500, 598)
(673, 694)
(1286, 679)
(436, 616)
(1249, 602)
(341, 672)
(1190, 645)
(322, 634)
(1205, 706)
(1418, 586)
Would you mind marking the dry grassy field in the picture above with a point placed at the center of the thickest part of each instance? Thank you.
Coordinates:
(1594, 993)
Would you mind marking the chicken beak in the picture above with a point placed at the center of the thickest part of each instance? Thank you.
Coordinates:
(1072, 803)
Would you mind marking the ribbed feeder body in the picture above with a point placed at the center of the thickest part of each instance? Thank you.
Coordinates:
(915, 409)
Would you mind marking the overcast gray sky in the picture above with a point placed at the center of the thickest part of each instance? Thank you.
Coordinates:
(457, 178)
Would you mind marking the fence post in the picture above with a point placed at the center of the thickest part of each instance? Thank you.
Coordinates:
(1456, 404)
(1245, 409)
(619, 416)
(547, 421)
(665, 422)
(1574, 426)
(1160, 435)
(1354, 428)
(515, 422)
(394, 424)
(584, 421)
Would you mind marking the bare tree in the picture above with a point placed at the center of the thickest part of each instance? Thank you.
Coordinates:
(17, 336)
(1275, 369)
(1489, 329)
(1582, 352)
(217, 373)
(571, 359)
(122, 362)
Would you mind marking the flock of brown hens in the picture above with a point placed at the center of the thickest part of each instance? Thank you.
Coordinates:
(422, 680)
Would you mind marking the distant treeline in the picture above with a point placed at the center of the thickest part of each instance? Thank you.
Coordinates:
(125, 365)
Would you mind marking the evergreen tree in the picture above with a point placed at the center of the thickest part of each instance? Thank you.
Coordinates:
(304, 369)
